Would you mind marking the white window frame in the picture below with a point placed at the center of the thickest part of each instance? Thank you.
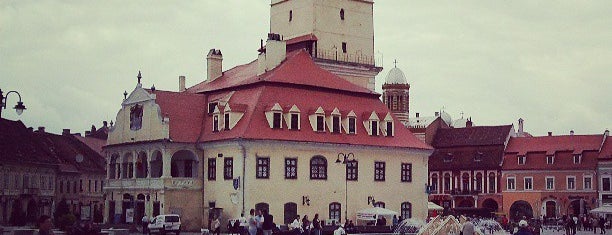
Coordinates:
(294, 110)
(579, 158)
(552, 159)
(513, 178)
(524, 159)
(431, 175)
(609, 183)
(584, 182)
(525, 182)
(546, 182)
(567, 182)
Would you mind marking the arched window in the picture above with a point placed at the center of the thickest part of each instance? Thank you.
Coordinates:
(406, 210)
(447, 182)
(434, 183)
(136, 117)
(379, 204)
(478, 186)
(342, 14)
(491, 182)
(334, 211)
(318, 167)
(465, 182)
(290, 210)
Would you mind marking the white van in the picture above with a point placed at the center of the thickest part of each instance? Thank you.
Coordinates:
(163, 224)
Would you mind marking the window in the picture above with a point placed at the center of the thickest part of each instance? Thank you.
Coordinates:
(74, 187)
(521, 160)
(406, 172)
(448, 157)
(352, 169)
(528, 183)
(335, 124)
(478, 182)
(434, 183)
(320, 123)
(290, 15)
(550, 183)
(290, 168)
(276, 120)
(587, 182)
(342, 14)
(101, 185)
(212, 169)
(295, 121)
(605, 184)
(379, 171)
(511, 183)
(389, 128)
(447, 182)
(492, 182)
(550, 159)
(406, 210)
(571, 182)
(89, 186)
(334, 211)
(374, 128)
(351, 125)
(478, 157)
(80, 185)
(577, 158)
(318, 167)
(228, 168)
(211, 107)
(343, 47)
(226, 121)
(263, 168)
(61, 186)
(136, 117)
(96, 186)
(215, 123)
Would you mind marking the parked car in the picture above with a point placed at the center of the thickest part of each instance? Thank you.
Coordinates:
(163, 224)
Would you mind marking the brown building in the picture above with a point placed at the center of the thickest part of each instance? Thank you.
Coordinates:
(550, 176)
(465, 168)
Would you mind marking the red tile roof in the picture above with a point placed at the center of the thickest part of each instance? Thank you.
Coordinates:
(297, 80)
(303, 38)
(185, 112)
(471, 136)
(297, 69)
(606, 149)
(94, 143)
(551, 144)
(20, 145)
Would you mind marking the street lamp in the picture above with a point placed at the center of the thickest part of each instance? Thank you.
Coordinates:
(19, 107)
(346, 159)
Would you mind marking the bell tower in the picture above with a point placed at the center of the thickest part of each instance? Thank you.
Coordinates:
(396, 94)
(339, 35)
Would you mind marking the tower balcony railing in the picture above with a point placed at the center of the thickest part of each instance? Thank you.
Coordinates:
(155, 183)
(356, 58)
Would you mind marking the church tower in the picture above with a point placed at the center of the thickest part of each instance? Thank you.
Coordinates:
(339, 34)
(396, 94)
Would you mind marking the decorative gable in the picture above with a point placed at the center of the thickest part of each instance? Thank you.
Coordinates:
(232, 113)
(371, 123)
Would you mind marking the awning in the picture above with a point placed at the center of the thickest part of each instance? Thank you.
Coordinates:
(602, 210)
(434, 207)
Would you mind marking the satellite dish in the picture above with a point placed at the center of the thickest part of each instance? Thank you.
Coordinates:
(79, 158)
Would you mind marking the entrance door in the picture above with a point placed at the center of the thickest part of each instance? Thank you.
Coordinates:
(111, 212)
(551, 209)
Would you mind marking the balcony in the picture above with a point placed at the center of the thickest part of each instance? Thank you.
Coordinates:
(459, 192)
(30, 191)
(154, 183)
(354, 59)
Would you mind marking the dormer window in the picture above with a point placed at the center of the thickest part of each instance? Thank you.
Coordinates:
(448, 157)
(374, 128)
(293, 118)
(333, 121)
(212, 106)
(320, 123)
(343, 47)
(226, 121)
(371, 123)
(550, 159)
(388, 126)
(216, 123)
(335, 124)
(136, 117)
(352, 125)
(276, 120)
(349, 124)
(577, 158)
(274, 115)
(521, 160)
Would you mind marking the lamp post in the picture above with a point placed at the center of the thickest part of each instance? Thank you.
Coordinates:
(19, 107)
(346, 159)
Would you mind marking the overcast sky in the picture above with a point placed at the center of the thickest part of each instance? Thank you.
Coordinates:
(549, 62)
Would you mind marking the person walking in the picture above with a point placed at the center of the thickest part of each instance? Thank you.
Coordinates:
(594, 224)
(216, 226)
(523, 228)
(316, 223)
(602, 225)
(145, 224)
(259, 222)
(252, 223)
(45, 225)
(305, 225)
(268, 223)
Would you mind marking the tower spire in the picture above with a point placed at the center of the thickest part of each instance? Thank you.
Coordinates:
(139, 76)
(395, 63)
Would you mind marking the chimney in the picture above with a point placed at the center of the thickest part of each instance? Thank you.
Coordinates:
(273, 55)
(607, 132)
(550, 133)
(469, 123)
(87, 133)
(417, 115)
(571, 132)
(520, 125)
(93, 129)
(66, 132)
(105, 123)
(41, 129)
(214, 62)
(437, 114)
(181, 83)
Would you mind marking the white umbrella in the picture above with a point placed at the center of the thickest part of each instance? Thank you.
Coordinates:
(603, 210)
(372, 213)
(434, 207)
